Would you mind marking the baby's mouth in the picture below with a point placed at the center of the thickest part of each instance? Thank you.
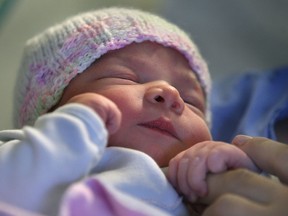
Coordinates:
(162, 126)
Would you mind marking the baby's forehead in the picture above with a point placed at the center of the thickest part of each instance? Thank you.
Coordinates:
(149, 49)
(149, 54)
(150, 61)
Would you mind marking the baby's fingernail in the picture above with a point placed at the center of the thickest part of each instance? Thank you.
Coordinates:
(241, 140)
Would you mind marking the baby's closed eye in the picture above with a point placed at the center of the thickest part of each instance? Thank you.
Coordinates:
(195, 107)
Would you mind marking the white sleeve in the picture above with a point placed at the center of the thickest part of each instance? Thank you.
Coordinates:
(38, 163)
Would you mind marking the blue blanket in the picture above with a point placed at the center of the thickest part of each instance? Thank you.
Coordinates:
(249, 103)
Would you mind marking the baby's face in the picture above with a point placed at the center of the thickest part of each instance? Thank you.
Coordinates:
(161, 101)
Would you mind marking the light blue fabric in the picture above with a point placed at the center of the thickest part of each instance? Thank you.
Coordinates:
(249, 103)
(67, 147)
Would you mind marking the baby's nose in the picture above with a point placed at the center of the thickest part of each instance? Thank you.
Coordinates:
(165, 95)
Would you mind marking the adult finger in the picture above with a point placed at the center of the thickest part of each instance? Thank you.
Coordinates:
(269, 155)
(243, 183)
(230, 204)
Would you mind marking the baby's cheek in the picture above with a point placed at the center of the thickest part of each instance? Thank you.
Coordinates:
(196, 129)
(197, 135)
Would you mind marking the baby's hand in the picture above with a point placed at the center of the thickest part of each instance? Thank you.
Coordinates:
(105, 108)
(188, 170)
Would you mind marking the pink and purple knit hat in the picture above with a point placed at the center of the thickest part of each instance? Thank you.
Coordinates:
(52, 59)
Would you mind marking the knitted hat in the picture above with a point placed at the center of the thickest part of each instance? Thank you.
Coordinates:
(56, 56)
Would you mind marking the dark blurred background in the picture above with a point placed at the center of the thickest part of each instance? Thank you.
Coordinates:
(233, 36)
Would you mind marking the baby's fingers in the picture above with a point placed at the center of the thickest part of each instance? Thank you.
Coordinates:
(196, 176)
(172, 172)
(182, 179)
(178, 176)
(188, 177)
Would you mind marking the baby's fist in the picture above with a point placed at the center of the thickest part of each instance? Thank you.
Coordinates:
(105, 108)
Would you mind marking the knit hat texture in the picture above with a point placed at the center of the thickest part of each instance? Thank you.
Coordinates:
(53, 58)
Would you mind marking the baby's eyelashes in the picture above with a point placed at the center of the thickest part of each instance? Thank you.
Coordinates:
(121, 79)
(133, 79)
(129, 76)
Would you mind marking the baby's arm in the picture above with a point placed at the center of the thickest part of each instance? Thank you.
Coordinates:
(188, 170)
(39, 162)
